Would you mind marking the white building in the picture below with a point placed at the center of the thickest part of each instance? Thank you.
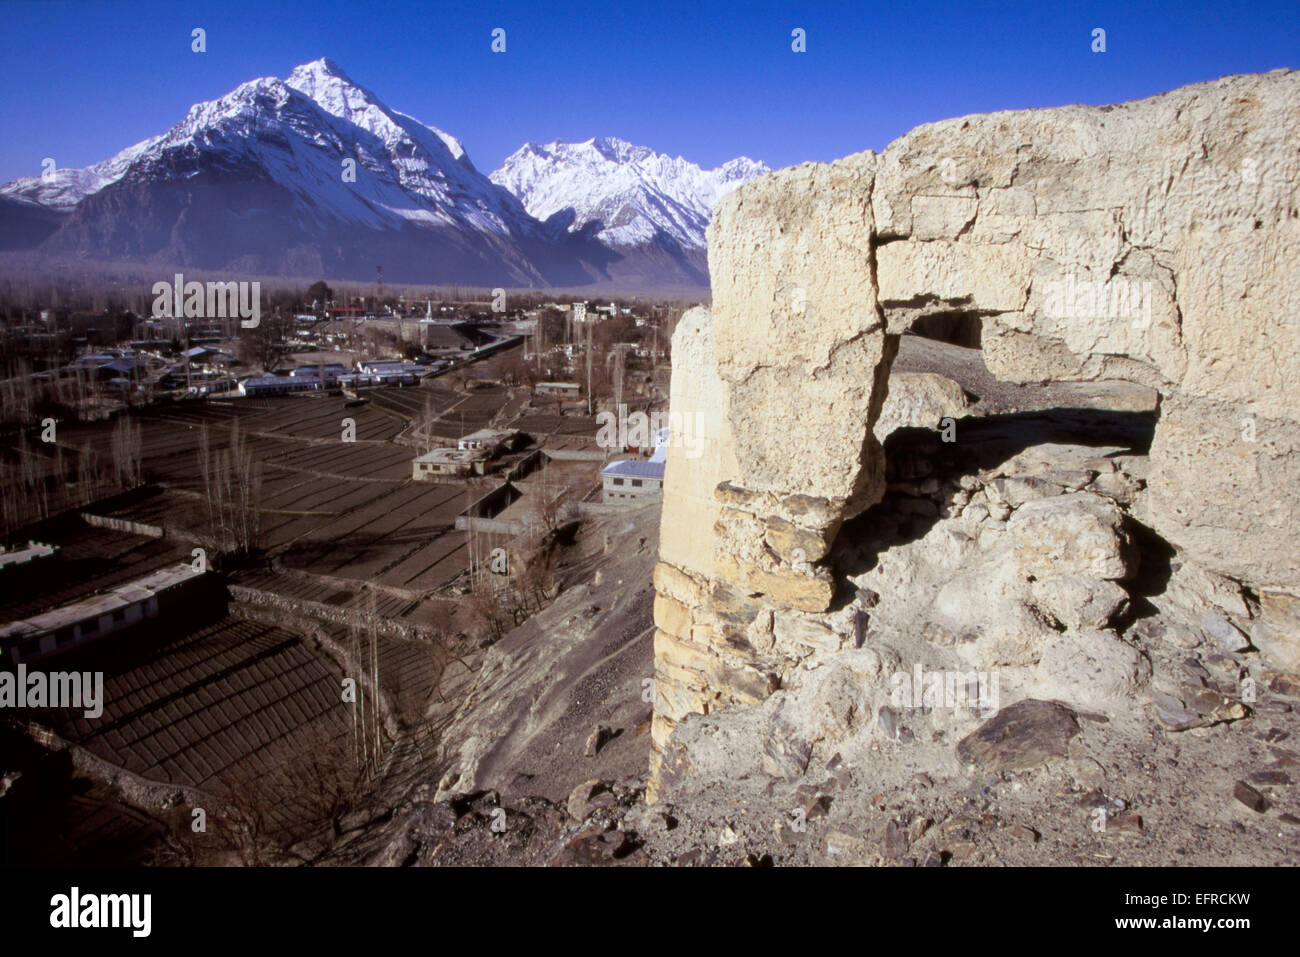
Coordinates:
(491, 441)
(25, 556)
(631, 479)
(566, 390)
(97, 616)
(448, 463)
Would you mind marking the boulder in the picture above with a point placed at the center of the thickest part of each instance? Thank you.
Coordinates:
(919, 400)
(1020, 736)
(1091, 670)
(1077, 534)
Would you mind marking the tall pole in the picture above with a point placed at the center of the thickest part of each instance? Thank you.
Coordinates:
(618, 378)
(589, 396)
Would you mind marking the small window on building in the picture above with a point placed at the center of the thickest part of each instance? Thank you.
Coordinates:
(90, 627)
(63, 636)
(618, 481)
(636, 483)
(119, 615)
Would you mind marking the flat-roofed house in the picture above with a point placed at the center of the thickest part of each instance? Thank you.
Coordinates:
(566, 390)
(630, 479)
(492, 441)
(449, 463)
(92, 618)
(475, 454)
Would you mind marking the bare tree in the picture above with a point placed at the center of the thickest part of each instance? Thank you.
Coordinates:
(265, 344)
(489, 607)
(232, 482)
(268, 811)
(87, 474)
(127, 453)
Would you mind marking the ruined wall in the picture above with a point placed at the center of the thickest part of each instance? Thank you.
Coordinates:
(1156, 241)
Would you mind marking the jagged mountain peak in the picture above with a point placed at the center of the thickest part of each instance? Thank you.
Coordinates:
(629, 195)
(320, 69)
(619, 150)
(336, 93)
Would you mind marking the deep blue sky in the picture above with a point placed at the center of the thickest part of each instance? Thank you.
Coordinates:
(86, 78)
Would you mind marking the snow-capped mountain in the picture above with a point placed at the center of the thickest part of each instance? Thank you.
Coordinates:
(627, 196)
(315, 176)
(259, 181)
(417, 172)
(64, 188)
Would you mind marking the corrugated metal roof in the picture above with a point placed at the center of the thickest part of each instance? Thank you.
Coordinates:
(634, 468)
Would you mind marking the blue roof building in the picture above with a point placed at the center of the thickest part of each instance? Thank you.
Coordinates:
(630, 479)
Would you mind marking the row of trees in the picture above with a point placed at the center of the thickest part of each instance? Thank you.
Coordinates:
(509, 584)
(129, 287)
(497, 603)
(232, 492)
(43, 480)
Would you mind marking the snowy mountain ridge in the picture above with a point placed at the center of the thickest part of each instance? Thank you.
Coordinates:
(630, 194)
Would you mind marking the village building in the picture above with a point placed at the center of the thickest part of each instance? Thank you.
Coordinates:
(99, 615)
(450, 463)
(565, 390)
(629, 480)
(475, 454)
(264, 385)
(331, 372)
(26, 556)
(493, 441)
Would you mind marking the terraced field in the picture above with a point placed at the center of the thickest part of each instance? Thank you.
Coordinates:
(217, 704)
(223, 703)
(334, 508)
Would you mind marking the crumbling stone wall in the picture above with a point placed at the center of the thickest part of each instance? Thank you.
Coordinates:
(1156, 241)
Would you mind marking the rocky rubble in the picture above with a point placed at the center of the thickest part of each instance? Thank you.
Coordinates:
(1123, 677)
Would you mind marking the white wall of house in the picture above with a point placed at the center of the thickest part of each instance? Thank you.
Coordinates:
(622, 488)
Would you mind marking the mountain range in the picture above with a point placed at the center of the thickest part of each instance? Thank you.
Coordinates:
(314, 176)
